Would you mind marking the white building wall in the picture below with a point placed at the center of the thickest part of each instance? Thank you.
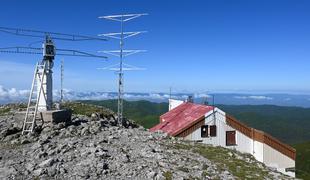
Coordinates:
(210, 120)
(276, 159)
(173, 103)
(258, 152)
(244, 143)
(46, 95)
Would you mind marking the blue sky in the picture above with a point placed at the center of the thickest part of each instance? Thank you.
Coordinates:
(192, 46)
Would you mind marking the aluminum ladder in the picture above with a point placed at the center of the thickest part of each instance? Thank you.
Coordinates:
(32, 108)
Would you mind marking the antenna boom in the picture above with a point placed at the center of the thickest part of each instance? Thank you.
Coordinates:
(43, 34)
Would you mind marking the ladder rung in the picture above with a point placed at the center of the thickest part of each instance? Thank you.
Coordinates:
(28, 122)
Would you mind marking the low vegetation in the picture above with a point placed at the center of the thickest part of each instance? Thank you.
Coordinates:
(303, 160)
(4, 110)
(168, 175)
(86, 109)
(240, 165)
(143, 112)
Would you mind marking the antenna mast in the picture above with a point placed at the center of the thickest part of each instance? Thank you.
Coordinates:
(121, 53)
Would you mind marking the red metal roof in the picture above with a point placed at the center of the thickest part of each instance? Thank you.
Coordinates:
(180, 118)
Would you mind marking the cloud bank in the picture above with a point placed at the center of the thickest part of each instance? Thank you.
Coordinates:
(13, 95)
(254, 97)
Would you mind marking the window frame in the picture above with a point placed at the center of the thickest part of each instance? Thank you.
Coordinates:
(206, 132)
(215, 130)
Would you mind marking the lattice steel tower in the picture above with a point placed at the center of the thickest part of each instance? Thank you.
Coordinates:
(121, 53)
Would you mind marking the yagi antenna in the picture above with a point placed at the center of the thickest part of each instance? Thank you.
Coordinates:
(126, 67)
(43, 34)
(41, 93)
(121, 53)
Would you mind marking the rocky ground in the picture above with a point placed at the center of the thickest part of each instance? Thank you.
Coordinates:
(96, 148)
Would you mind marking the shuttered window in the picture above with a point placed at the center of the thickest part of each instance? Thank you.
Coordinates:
(204, 131)
(230, 138)
(213, 130)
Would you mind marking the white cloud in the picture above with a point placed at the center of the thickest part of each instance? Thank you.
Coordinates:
(201, 95)
(254, 97)
(9, 95)
(12, 95)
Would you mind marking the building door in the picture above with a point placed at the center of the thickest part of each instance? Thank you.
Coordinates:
(230, 138)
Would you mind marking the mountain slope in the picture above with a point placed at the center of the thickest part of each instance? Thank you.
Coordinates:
(303, 160)
(95, 148)
(289, 124)
(145, 113)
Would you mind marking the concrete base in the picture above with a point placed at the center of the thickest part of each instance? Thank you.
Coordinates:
(56, 116)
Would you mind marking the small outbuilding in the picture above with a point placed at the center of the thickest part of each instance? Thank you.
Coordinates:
(210, 125)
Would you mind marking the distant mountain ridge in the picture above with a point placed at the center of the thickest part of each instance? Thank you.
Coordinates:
(299, 100)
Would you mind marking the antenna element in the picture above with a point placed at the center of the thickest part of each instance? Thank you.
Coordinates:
(121, 53)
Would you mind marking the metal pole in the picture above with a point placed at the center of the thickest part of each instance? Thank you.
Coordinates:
(120, 85)
(169, 99)
(214, 116)
(62, 81)
(121, 53)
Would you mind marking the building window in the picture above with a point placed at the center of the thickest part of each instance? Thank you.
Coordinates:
(213, 130)
(230, 138)
(204, 131)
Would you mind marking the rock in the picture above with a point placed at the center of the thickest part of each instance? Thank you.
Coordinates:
(15, 142)
(39, 172)
(151, 175)
(85, 131)
(95, 116)
(51, 171)
(60, 125)
(10, 131)
(25, 141)
(47, 163)
(30, 166)
(7, 172)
